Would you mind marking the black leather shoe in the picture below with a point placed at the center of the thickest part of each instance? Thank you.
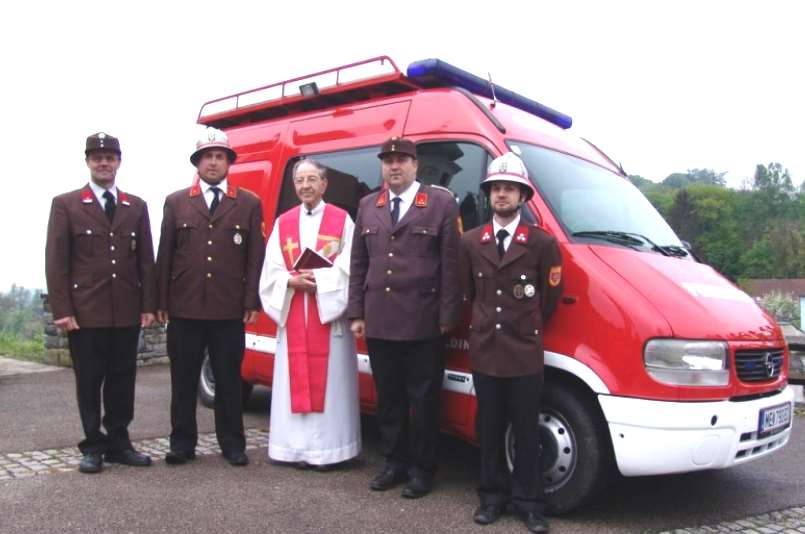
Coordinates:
(91, 463)
(388, 478)
(535, 522)
(486, 514)
(128, 457)
(179, 457)
(417, 487)
(238, 458)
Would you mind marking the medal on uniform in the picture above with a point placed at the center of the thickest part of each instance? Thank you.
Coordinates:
(529, 290)
(518, 291)
(237, 238)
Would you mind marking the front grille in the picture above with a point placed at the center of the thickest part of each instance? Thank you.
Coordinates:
(758, 365)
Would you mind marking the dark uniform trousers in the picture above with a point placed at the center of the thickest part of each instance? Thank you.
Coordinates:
(516, 400)
(408, 377)
(225, 342)
(105, 364)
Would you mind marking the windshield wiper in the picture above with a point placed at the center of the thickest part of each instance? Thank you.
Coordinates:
(633, 239)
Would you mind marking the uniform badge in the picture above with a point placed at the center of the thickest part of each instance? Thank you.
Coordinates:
(518, 291)
(133, 245)
(382, 199)
(486, 235)
(86, 196)
(237, 238)
(529, 291)
(421, 200)
(555, 276)
(521, 234)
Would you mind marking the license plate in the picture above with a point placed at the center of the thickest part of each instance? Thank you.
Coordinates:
(773, 419)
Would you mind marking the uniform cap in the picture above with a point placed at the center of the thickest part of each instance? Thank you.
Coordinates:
(398, 145)
(102, 141)
(508, 168)
(212, 138)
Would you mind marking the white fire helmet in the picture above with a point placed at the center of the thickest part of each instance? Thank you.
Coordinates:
(508, 168)
(212, 138)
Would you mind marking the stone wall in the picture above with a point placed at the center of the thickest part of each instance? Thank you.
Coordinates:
(152, 347)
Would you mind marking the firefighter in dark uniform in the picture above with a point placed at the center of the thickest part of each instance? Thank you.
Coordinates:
(403, 297)
(210, 255)
(511, 272)
(101, 288)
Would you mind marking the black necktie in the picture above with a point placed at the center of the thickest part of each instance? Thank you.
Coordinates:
(109, 207)
(215, 201)
(502, 234)
(395, 210)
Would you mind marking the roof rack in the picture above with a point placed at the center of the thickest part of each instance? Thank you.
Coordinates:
(360, 80)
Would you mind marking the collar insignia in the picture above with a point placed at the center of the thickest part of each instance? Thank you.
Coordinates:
(86, 196)
(486, 234)
(521, 234)
(382, 199)
(421, 200)
(231, 191)
(123, 198)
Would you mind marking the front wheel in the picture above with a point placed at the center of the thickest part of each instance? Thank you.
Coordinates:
(206, 386)
(576, 452)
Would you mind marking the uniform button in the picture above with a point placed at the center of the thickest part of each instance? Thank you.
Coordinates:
(112, 247)
(497, 326)
(388, 289)
(184, 225)
(237, 227)
(210, 226)
(498, 309)
(114, 275)
(209, 242)
(114, 262)
(89, 232)
(499, 292)
(111, 234)
(388, 272)
(209, 258)
(393, 238)
(480, 275)
(75, 286)
(522, 277)
(391, 254)
(209, 275)
(536, 332)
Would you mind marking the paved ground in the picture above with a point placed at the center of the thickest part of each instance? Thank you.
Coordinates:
(10, 366)
(40, 490)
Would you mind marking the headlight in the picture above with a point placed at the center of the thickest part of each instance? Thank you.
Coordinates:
(683, 362)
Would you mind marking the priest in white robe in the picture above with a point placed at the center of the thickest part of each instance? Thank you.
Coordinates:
(315, 418)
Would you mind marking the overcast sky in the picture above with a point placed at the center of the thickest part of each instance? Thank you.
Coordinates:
(661, 86)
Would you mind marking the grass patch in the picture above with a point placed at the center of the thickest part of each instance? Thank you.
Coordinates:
(32, 350)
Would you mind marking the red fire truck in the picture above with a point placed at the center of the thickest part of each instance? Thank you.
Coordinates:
(655, 363)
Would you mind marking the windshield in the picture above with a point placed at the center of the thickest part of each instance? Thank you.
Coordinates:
(589, 199)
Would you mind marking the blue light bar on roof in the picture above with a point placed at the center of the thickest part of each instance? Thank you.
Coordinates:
(437, 72)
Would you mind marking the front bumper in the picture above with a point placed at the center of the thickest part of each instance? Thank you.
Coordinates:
(659, 437)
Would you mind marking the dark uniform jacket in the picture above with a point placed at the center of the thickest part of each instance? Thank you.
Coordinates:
(100, 272)
(403, 278)
(511, 298)
(209, 267)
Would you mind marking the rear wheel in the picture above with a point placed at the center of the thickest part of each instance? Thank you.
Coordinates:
(576, 452)
(206, 386)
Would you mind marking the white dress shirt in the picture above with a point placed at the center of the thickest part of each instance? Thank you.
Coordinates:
(208, 193)
(511, 228)
(99, 191)
(406, 198)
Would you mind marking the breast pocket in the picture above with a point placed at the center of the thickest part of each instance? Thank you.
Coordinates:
(423, 240)
(370, 238)
(185, 232)
(130, 240)
(90, 242)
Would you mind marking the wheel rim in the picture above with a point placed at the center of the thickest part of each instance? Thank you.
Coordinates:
(207, 379)
(559, 450)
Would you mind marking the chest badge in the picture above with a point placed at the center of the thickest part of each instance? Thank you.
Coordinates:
(518, 291)
(237, 238)
(133, 245)
(529, 291)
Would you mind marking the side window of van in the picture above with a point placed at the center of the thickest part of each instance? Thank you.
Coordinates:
(460, 167)
(351, 174)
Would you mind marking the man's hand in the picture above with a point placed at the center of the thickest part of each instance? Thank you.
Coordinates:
(358, 328)
(304, 281)
(162, 316)
(146, 320)
(67, 323)
(250, 316)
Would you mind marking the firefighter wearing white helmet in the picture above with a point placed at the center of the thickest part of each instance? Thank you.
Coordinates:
(208, 268)
(511, 272)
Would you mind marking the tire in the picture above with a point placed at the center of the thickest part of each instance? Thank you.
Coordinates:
(576, 451)
(206, 386)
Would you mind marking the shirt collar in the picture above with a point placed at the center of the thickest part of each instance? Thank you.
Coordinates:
(316, 210)
(99, 191)
(221, 185)
(408, 195)
(511, 227)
